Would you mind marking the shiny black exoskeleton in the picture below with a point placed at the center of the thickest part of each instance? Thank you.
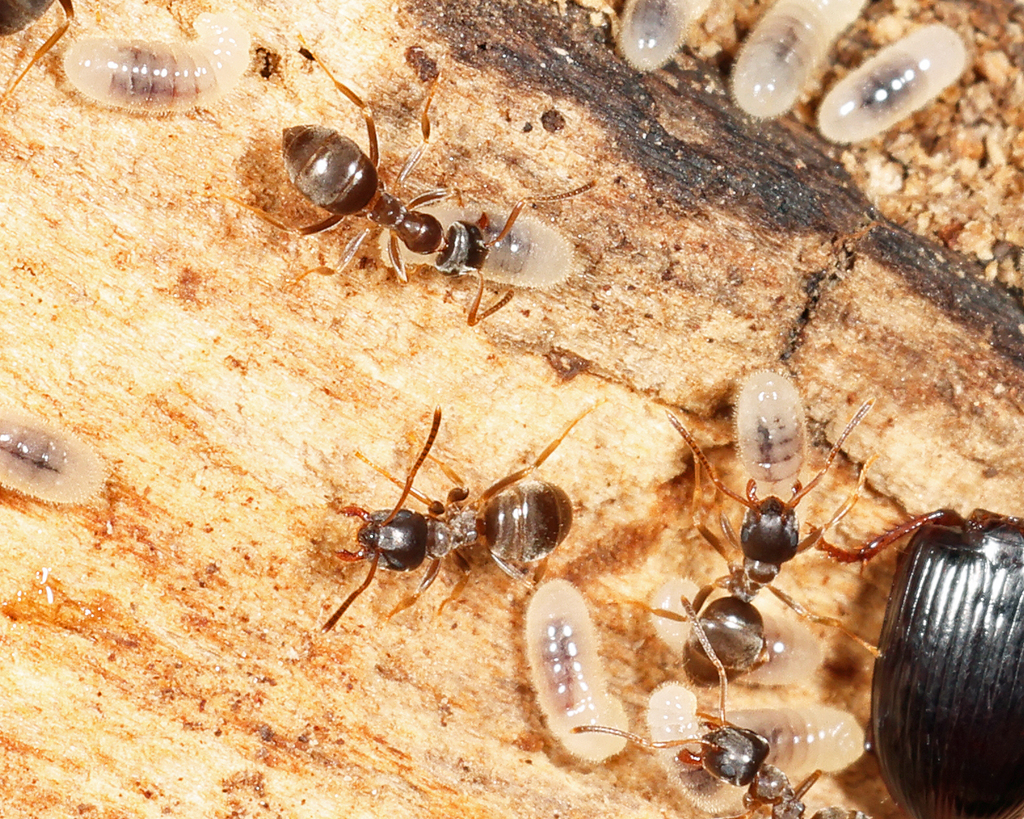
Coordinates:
(519, 521)
(947, 696)
(17, 14)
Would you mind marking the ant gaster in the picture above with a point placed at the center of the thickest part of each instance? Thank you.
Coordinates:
(332, 171)
(519, 521)
(770, 534)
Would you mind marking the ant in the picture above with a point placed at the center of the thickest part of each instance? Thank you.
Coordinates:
(723, 755)
(18, 14)
(333, 172)
(519, 521)
(770, 426)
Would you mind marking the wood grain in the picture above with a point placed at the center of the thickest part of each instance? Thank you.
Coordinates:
(162, 653)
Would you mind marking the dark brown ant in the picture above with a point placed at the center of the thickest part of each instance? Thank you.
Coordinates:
(16, 15)
(518, 521)
(770, 534)
(332, 171)
(728, 755)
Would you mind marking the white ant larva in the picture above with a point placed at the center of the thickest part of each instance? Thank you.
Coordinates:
(790, 652)
(770, 429)
(650, 31)
(567, 672)
(807, 738)
(784, 51)
(162, 77)
(45, 462)
(893, 84)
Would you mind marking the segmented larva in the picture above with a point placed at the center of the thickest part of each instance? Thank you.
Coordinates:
(47, 463)
(806, 738)
(793, 652)
(567, 672)
(162, 77)
(801, 739)
(650, 31)
(770, 429)
(533, 254)
(893, 84)
(784, 51)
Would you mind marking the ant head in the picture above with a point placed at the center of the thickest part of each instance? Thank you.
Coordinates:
(734, 755)
(770, 533)
(399, 537)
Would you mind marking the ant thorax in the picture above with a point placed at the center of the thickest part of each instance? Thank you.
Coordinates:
(456, 530)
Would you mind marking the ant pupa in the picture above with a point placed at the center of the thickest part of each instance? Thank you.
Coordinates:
(711, 758)
(785, 50)
(650, 31)
(567, 672)
(334, 173)
(40, 460)
(787, 651)
(162, 77)
(769, 424)
(893, 84)
(519, 521)
(18, 14)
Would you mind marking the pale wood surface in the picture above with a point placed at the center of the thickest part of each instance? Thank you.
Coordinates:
(161, 652)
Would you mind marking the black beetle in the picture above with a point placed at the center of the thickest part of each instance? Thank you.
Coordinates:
(947, 696)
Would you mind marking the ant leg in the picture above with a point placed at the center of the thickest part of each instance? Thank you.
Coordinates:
(815, 537)
(355, 99)
(334, 618)
(857, 418)
(69, 15)
(698, 454)
(697, 629)
(414, 157)
(428, 198)
(698, 519)
(942, 517)
(395, 258)
(494, 489)
(425, 583)
(474, 317)
(460, 586)
(308, 230)
(822, 620)
(346, 257)
(806, 785)
(535, 200)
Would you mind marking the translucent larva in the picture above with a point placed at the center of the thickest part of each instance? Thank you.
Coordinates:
(770, 429)
(162, 77)
(893, 84)
(800, 739)
(47, 463)
(533, 254)
(785, 50)
(650, 31)
(791, 652)
(567, 672)
(807, 738)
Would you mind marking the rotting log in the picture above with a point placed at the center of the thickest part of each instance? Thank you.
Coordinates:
(161, 645)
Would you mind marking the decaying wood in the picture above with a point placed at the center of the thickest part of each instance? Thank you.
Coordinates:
(161, 646)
